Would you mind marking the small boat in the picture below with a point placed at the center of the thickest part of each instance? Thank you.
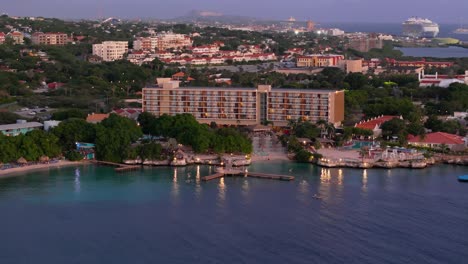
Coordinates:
(463, 178)
(317, 197)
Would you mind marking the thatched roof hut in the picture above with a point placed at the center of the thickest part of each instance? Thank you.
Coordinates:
(22, 161)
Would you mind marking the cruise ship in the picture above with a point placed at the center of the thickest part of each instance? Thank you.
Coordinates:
(416, 27)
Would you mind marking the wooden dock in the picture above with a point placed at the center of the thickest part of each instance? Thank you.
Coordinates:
(270, 176)
(249, 174)
(213, 176)
(120, 167)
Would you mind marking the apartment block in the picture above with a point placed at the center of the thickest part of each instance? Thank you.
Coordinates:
(149, 43)
(111, 50)
(244, 106)
(319, 60)
(173, 41)
(49, 38)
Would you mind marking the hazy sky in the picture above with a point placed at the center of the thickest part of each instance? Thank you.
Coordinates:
(318, 10)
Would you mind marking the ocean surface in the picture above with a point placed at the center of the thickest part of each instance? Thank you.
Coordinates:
(446, 30)
(90, 215)
(448, 52)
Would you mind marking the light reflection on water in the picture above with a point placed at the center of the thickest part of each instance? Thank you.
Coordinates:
(77, 184)
(175, 185)
(198, 188)
(364, 180)
(221, 192)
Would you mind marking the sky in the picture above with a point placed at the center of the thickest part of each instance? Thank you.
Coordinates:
(441, 11)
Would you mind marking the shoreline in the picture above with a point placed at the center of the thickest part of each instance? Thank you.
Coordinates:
(38, 167)
(19, 171)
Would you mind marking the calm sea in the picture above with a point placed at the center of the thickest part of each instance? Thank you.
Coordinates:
(92, 215)
(446, 30)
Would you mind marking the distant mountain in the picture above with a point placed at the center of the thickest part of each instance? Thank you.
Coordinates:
(210, 16)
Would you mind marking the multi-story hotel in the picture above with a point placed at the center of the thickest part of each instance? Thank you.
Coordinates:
(319, 60)
(244, 106)
(110, 50)
(49, 38)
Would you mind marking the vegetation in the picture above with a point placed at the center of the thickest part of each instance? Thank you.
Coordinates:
(201, 137)
(31, 146)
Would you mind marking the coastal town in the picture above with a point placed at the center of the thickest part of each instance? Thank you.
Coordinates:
(287, 91)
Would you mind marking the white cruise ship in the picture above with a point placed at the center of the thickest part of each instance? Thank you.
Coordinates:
(416, 27)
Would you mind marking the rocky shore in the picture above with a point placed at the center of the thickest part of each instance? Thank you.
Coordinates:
(185, 160)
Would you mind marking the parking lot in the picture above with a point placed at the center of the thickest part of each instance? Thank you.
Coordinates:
(33, 112)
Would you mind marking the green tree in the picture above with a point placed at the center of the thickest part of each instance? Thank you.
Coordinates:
(73, 130)
(114, 136)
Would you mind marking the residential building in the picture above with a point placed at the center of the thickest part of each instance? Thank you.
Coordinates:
(335, 32)
(441, 80)
(173, 41)
(2, 37)
(365, 43)
(17, 37)
(131, 113)
(319, 60)
(205, 50)
(353, 66)
(421, 63)
(49, 38)
(244, 106)
(438, 140)
(111, 50)
(21, 127)
(149, 43)
(375, 123)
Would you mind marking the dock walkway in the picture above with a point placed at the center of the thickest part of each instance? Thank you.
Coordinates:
(120, 167)
(248, 174)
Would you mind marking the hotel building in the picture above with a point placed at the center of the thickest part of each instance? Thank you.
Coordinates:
(244, 106)
(49, 38)
(111, 50)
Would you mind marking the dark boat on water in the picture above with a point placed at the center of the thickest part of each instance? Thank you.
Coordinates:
(463, 178)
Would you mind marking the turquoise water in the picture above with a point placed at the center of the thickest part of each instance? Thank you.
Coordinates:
(90, 214)
(449, 52)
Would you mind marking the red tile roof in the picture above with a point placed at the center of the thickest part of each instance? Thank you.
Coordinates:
(96, 118)
(437, 138)
(179, 74)
(372, 123)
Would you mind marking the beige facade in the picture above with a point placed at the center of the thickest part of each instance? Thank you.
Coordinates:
(149, 43)
(111, 50)
(173, 41)
(17, 37)
(40, 38)
(319, 60)
(244, 106)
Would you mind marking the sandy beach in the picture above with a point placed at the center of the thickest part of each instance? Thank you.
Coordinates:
(21, 170)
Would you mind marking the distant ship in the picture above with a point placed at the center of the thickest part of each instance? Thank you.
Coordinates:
(416, 27)
(461, 30)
